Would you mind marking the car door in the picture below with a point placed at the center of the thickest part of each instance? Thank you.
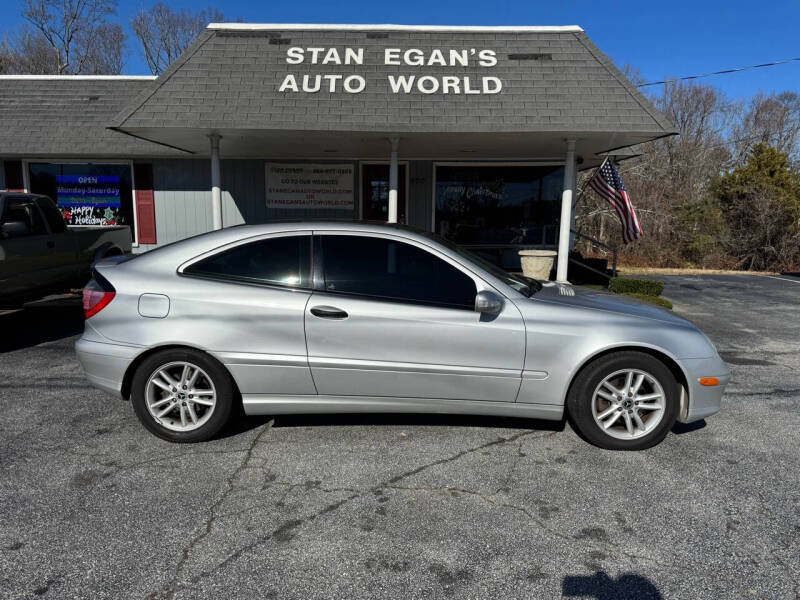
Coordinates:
(245, 304)
(25, 253)
(394, 318)
(64, 260)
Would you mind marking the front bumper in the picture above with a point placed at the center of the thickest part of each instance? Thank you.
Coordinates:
(703, 401)
(105, 364)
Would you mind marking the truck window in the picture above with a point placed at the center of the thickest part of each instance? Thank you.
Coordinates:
(23, 211)
(51, 214)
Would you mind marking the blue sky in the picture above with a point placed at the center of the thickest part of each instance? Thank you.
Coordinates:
(661, 39)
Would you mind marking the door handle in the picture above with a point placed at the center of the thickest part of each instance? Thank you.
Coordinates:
(328, 312)
(51, 244)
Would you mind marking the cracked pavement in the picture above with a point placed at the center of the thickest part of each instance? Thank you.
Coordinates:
(349, 507)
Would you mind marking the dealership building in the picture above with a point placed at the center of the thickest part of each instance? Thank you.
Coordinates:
(475, 133)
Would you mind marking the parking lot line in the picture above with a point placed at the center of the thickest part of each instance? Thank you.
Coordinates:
(782, 278)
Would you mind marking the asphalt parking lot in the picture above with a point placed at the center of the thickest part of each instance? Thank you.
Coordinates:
(92, 506)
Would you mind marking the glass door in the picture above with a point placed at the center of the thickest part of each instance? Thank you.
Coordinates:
(375, 192)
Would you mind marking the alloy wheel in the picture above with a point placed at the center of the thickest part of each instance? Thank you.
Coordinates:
(180, 396)
(628, 404)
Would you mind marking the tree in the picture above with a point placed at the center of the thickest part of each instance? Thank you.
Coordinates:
(761, 202)
(70, 37)
(668, 182)
(165, 34)
(773, 120)
(7, 57)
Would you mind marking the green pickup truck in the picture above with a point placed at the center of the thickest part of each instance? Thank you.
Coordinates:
(40, 254)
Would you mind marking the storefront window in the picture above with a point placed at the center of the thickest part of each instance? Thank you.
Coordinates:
(491, 206)
(86, 194)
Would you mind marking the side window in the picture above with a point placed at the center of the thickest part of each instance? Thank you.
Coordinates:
(22, 218)
(393, 270)
(284, 261)
(51, 214)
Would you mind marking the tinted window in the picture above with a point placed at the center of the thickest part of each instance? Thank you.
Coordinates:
(23, 211)
(51, 215)
(393, 270)
(284, 261)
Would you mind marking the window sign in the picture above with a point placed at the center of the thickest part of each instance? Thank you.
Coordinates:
(87, 194)
(89, 199)
(310, 186)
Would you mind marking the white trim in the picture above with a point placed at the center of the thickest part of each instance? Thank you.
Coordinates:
(474, 163)
(81, 77)
(388, 27)
(361, 163)
(78, 161)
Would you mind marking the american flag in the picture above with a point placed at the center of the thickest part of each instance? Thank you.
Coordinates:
(606, 182)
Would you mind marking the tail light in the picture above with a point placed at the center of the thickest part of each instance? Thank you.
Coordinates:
(96, 295)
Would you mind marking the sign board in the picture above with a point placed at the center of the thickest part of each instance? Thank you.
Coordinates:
(439, 60)
(307, 186)
(89, 199)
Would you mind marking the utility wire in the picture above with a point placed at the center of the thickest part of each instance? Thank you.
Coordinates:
(737, 70)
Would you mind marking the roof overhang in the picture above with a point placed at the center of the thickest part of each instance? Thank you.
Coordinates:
(264, 143)
(539, 86)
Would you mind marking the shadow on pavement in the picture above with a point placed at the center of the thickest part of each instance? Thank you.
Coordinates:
(32, 326)
(688, 427)
(602, 587)
(241, 423)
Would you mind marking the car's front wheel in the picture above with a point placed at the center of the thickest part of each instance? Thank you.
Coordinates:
(182, 395)
(624, 401)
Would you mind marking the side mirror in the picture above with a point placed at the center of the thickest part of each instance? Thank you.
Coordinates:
(488, 303)
(12, 229)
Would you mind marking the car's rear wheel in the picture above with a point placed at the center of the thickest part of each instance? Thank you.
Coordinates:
(624, 401)
(182, 395)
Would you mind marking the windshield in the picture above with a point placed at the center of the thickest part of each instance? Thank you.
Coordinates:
(522, 284)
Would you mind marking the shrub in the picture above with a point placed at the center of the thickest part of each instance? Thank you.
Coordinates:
(662, 302)
(629, 285)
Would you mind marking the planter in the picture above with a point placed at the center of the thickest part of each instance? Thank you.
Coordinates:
(537, 264)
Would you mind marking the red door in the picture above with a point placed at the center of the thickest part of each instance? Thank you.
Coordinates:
(375, 192)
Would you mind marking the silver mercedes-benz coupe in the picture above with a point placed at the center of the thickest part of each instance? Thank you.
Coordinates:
(356, 317)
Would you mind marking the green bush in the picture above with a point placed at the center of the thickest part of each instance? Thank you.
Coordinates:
(629, 285)
(662, 302)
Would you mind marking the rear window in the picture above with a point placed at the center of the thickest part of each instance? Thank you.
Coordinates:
(283, 261)
(52, 215)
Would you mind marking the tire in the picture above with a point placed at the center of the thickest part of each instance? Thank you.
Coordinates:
(196, 422)
(587, 408)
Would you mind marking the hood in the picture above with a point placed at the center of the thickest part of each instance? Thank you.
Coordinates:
(568, 295)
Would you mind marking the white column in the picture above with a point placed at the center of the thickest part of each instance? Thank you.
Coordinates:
(216, 183)
(393, 181)
(566, 213)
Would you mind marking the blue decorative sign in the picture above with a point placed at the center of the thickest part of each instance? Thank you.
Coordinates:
(89, 199)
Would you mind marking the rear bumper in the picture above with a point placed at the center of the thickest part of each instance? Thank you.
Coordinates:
(704, 401)
(105, 364)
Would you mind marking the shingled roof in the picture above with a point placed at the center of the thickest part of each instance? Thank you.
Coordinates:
(554, 79)
(68, 116)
